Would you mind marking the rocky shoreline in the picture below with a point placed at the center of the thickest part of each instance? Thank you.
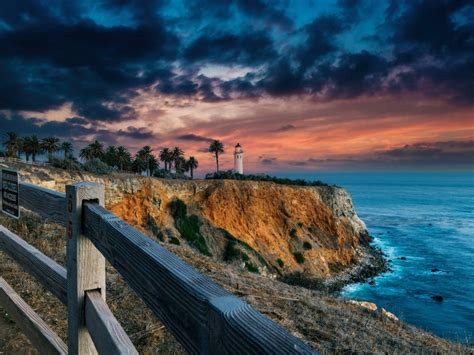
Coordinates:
(371, 264)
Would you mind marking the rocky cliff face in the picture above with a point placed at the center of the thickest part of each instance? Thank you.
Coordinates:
(260, 226)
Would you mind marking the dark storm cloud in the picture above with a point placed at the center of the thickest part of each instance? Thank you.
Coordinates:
(98, 57)
(243, 48)
(136, 133)
(194, 138)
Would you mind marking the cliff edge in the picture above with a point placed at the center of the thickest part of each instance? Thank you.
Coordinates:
(263, 227)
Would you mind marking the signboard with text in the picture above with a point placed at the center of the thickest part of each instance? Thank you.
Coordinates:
(10, 193)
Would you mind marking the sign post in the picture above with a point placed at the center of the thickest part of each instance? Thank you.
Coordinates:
(10, 193)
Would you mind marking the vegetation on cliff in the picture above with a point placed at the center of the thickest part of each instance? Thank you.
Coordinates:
(231, 175)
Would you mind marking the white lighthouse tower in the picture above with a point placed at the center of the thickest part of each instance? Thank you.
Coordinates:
(238, 159)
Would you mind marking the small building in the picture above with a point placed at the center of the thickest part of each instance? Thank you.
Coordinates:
(238, 159)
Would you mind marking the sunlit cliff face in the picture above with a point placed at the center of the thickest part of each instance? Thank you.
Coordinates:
(302, 85)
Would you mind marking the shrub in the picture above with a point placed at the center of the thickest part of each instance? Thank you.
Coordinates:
(299, 257)
(280, 262)
(70, 164)
(178, 209)
(300, 224)
(232, 253)
(188, 226)
(231, 175)
(175, 241)
(152, 226)
(307, 246)
(293, 233)
(251, 267)
(97, 167)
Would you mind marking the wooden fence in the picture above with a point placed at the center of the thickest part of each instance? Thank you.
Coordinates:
(204, 318)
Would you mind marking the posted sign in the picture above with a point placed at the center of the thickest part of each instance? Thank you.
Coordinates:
(10, 193)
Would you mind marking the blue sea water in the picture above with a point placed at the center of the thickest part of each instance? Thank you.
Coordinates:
(428, 218)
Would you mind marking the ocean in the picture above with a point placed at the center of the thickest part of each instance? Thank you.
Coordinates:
(428, 219)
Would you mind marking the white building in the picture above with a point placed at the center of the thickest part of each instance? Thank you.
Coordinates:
(238, 159)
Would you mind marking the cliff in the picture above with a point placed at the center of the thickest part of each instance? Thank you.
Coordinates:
(260, 226)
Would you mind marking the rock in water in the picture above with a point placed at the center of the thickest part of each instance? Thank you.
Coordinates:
(437, 298)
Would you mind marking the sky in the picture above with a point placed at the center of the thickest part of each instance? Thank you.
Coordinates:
(303, 85)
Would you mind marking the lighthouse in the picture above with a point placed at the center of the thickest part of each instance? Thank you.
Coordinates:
(238, 159)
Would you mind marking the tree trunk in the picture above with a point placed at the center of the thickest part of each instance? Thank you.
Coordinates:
(192, 173)
(217, 161)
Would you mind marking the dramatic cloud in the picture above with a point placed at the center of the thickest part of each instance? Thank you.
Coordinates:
(292, 77)
(435, 155)
(194, 138)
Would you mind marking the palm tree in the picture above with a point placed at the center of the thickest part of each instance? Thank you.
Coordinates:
(192, 164)
(26, 147)
(50, 145)
(216, 147)
(66, 147)
(180, 165)
(167, 158)
(176, 154)
(12, 144)
(34, 147)
(110, 156)
(145, 155)
(123, 157)
(92, 151)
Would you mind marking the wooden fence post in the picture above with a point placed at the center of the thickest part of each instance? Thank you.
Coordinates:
(85, 266)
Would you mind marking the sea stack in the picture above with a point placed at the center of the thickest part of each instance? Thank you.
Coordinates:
(238, 159)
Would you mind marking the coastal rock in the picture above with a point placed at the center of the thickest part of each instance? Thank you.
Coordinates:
(437, 298)
(389, 314)
(368, 305)
(435, 270)
(402, 258)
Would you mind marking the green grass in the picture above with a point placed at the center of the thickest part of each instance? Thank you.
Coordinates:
(189, 226)
(299, 257)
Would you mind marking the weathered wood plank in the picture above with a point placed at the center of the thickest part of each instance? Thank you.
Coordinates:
(85, 266)
(203, 316)
(37, 331)
(106, 332)
(49, 273)
(47, 203)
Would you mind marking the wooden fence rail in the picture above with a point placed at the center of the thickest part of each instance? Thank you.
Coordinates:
(204, 318)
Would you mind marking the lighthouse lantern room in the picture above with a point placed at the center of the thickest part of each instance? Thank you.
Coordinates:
(238, 159)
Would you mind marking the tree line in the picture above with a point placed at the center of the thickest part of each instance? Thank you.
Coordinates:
(115, 157)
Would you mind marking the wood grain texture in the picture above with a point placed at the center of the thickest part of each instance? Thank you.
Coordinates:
(106, 332)
(85, 266)
(203, 317)
(47, 203)
(37, 331)
(49, 273)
